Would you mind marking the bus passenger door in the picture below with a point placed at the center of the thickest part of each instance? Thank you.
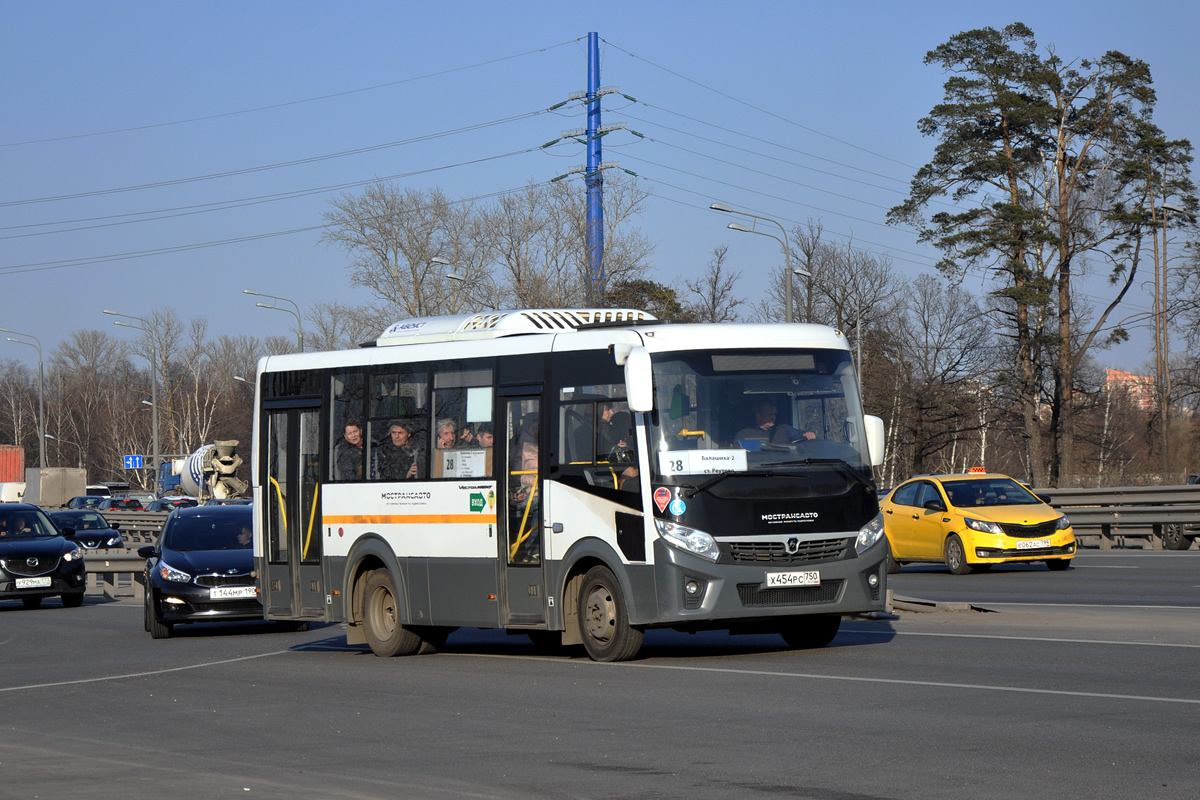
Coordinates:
(523, 587)
(294, 587)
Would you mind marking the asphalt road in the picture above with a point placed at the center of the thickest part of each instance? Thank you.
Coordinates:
(1035, 698)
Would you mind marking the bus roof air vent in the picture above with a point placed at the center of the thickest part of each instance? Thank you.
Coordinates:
(495, 324)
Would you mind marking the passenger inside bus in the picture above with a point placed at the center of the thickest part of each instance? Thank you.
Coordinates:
(348, 454)
(397, 459)
(447, 433)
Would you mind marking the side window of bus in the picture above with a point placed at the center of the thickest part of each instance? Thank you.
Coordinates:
(348, 435)
(397, 432)
(595, 443)
(461, 422)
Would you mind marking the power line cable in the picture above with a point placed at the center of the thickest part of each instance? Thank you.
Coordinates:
(274, 106)
(279, 165)
(738, 100)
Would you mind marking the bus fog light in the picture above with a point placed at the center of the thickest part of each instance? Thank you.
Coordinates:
(873, 580)
(691, 587)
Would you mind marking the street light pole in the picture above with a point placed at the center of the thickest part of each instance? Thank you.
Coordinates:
(153, 381)
(1163, 340)
(65, 441)
(272, 306)
(787, 249)
(41, 391)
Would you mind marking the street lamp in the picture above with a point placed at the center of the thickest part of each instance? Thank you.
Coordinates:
(273, 306)
(65, 441)
(41, 391)
(1162, 343)
(787, 250)
(145, 328)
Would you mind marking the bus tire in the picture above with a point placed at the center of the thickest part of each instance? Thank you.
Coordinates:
(604, 618)
(433, 639)
(381, 623)
(893, 566)
(810, 633)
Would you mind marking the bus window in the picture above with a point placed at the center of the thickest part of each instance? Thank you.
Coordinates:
(462, 407)
(348, 435)
(397, 432)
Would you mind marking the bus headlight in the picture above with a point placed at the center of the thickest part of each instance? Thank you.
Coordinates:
(869, 534)
(688, 539)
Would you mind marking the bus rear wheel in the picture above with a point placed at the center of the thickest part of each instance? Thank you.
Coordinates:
(604, 618)
(381, 619)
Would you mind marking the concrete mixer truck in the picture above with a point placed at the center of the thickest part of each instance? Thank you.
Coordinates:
(209, 472)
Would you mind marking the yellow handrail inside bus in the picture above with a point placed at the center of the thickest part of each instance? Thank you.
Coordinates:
(522, 533)
(311, 517)
(282, 510)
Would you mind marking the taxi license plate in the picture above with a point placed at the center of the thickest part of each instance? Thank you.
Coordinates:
(32, 583)
(226, 592)
(1032, 544)
(794, 578)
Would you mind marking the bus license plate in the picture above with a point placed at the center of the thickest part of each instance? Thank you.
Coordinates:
(225, 592)
(32, 583)
(1032, 544)
(796, 578)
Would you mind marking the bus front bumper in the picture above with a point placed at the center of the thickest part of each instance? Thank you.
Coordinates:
(694, 592)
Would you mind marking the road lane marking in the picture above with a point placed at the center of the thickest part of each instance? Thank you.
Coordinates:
(1105, 606)
(1106, 566)
(139, 674)
(975, 687)
(1017, 638)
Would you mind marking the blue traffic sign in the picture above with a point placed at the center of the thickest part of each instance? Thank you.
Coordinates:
(133, 462)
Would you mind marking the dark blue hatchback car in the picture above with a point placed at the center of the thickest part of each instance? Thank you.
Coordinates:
(201, 569)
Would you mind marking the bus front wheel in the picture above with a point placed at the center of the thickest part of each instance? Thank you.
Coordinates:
(381, 620)
(604, 618)
(806, 633)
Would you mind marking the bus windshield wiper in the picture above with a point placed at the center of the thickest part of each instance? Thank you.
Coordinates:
(713, 481)
(842, 465)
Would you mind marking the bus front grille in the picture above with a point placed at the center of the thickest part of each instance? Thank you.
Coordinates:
(777, 552)
(752, 594)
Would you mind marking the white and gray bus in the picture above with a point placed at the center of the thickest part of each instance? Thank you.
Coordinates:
(576, 475)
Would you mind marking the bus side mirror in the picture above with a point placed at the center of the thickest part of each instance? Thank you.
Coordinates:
(876, 439)
(639, 381)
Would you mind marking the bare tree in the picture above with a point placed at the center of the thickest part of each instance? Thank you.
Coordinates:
(715, 301)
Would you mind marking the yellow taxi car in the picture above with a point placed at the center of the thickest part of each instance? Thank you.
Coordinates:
(969, 522)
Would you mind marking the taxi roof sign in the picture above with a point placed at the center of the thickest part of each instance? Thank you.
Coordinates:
(976, 471)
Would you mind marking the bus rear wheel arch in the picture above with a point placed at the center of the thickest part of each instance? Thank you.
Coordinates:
(604, 618)
(385, 633)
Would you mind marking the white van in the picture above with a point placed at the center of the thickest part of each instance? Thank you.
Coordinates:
(12, 492)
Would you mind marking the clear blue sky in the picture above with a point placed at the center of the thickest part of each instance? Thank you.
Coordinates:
(793, 110)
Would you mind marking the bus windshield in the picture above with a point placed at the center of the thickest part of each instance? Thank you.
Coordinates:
(755, 410)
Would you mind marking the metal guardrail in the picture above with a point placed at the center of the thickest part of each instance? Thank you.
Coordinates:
(1160, 515)
(138, 527)
(115, 573)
